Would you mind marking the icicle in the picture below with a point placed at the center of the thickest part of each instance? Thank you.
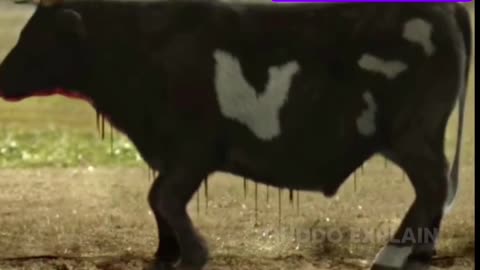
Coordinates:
(245, 188)
(98, 116)
(362, 169)
(298, 202)
(290, 196)
(206, 194)
(256, 203)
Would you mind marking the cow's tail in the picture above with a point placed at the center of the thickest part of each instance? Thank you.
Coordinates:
(463, 20)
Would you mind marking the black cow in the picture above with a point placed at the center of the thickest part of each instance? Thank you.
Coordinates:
(269, 92)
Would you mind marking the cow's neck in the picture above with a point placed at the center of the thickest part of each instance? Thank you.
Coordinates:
(116, 82)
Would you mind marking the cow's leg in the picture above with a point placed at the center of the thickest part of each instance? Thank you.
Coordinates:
(169, 196)
(168, 251)
(413, 244)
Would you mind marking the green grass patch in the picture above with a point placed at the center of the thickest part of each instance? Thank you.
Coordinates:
(59, 148)
(58, 132)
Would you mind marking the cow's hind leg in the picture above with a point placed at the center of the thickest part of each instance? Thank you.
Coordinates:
(413, 245)
(169, 196)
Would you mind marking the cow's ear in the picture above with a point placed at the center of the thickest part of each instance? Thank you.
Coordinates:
(70, 23)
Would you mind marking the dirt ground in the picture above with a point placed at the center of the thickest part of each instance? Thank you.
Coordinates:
(98, 218)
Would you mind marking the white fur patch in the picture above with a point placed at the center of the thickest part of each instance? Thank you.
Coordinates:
(366, 121)
(419, 31)
(391, 69)
(393, 256)
(239, 100)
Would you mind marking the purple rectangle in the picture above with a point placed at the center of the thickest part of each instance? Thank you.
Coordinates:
(370, 1)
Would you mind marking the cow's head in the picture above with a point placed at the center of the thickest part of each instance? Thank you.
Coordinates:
(49, 55)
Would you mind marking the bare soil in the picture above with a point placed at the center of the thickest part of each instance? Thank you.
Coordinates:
(99, 219)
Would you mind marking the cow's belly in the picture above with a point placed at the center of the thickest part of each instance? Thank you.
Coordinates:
(306, 167)
(314, 149)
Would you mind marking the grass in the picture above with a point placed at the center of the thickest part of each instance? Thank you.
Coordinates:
(59, 132)
(58, 148)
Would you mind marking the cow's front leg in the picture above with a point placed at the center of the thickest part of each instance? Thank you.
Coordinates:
(169, 196)
(168, 251)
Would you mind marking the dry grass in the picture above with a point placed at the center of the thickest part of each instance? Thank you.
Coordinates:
(98, 218)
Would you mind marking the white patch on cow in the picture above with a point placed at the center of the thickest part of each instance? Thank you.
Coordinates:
(391, 69)
(239, 100)
(393, 256)
(366, 120)
(419, 31)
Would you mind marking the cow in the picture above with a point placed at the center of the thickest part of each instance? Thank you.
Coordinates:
(268, 92)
